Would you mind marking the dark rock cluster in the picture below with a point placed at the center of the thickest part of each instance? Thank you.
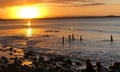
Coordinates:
(44, 63)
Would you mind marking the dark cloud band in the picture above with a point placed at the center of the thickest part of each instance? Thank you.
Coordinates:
(6, 3)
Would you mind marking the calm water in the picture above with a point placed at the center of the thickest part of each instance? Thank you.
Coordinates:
(45, 36)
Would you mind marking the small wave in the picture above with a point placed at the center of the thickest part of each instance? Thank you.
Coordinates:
(51, 30)
(96, 30)
(14, 37)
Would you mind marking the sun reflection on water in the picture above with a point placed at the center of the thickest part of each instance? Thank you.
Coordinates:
(29, 23)
(29, 32)
(29, 29)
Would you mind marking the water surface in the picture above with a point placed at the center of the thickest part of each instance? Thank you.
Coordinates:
(45, 36)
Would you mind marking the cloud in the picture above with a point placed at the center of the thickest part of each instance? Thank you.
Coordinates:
(92, 4)
(7, 3)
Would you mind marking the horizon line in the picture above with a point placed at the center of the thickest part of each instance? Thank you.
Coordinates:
(64, 17)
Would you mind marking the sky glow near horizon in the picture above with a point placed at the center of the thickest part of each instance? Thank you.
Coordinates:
(60, 8)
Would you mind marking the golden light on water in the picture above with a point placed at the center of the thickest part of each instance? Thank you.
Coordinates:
(29, 24)
(27, 62)
(29, 29)
(29, 32)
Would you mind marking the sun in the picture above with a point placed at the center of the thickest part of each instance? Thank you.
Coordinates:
(28, 12)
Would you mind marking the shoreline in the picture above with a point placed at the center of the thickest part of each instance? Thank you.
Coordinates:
(44, 63)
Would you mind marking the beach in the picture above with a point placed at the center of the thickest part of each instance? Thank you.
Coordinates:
(45, 37)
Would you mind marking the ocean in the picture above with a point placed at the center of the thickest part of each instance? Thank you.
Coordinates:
(45, 36)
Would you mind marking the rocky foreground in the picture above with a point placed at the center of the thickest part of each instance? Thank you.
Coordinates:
(45, 63)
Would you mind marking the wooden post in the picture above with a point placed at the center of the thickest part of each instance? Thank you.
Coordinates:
(63, 40)
(69, 36)
(111, 38)
(81, 38)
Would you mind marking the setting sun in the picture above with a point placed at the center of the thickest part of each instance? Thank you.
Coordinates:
(28, 12)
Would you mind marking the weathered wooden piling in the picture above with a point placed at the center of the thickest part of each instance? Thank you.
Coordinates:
(111, 38)
(69, 36)
(81, 38)
(63, 40)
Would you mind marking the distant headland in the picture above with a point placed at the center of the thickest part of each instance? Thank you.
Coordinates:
(72, 17)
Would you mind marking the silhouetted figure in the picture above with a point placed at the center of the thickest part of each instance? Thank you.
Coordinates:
(111, 38)
(100, 68)
(73, 38)
(81, 38)
(63, 40)
(89, 66)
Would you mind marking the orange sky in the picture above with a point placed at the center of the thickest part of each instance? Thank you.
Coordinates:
(60, 8)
